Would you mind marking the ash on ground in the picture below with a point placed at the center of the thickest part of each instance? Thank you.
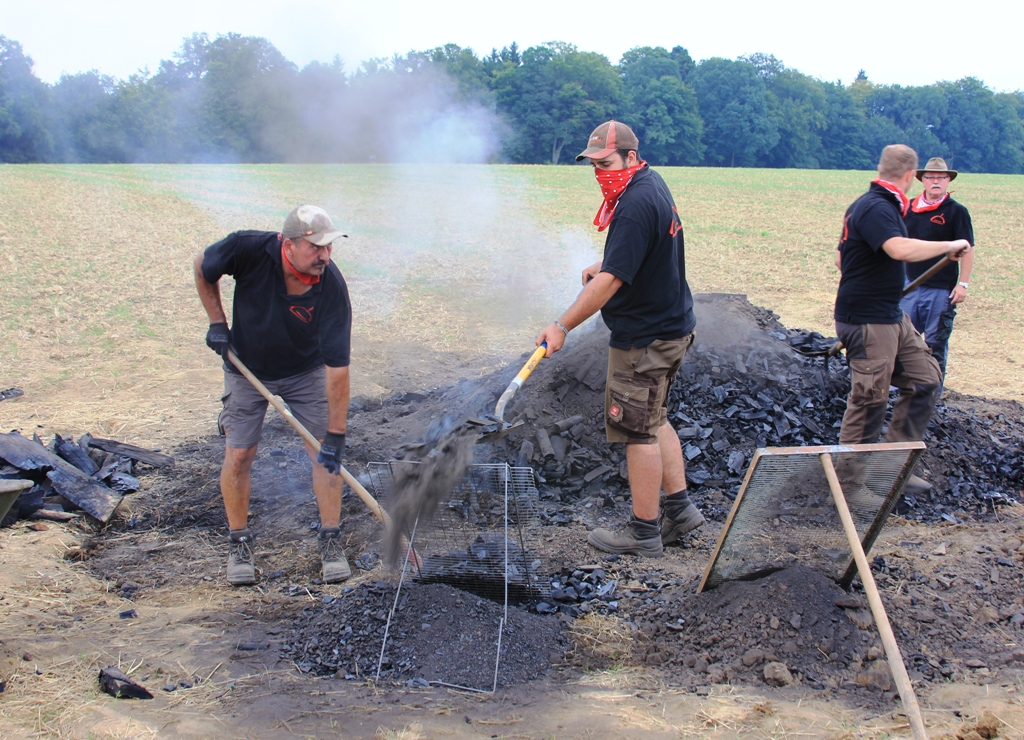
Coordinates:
(438, 633)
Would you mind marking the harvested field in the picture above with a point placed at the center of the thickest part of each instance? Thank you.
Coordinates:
(620, 646)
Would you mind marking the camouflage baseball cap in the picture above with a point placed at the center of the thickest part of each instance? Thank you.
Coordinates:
(607, 138)
(312, 224)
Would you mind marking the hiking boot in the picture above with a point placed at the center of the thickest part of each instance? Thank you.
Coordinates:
(331, 555)
(635, 538)
(241, 570)
(678, 518)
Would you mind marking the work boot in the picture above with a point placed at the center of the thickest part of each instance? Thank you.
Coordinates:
(635, 538)
(331, 555)
(678, 516)
(241, 570)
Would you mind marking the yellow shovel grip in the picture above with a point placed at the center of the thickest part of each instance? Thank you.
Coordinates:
(535, 358)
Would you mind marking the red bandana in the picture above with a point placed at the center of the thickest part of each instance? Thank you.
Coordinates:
(612, 183)
(895, 190)
(303, 277)
(920, 205)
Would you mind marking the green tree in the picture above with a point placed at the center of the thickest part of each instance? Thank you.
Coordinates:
(83, 118)
(24, 128)
(842, 140)
(799, 108)
(660, 107)
(556, 96)
(738, 128)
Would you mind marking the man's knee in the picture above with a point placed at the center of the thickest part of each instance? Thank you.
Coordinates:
(239, 459)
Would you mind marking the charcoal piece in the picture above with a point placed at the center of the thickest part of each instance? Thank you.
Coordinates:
(565, 424)
(544, 443)
(53, 516)
(94, 498)
(559, 446)
(525, 454)
(150, 457)
(72, 453)
(119, 686)
(691, 452)
(596, 473)
(26, 454)
(11, 393)
(123, 483)
(736, 460)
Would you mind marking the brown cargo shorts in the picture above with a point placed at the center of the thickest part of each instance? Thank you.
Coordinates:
(636, 392)
(241, 419)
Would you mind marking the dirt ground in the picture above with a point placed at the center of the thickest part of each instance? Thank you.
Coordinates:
(290, 656)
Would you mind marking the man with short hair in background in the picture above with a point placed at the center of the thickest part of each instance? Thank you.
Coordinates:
(291, 326)
(640, 288)
(935, 216)
(882, 345)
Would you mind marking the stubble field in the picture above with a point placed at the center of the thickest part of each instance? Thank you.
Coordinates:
(451, 269)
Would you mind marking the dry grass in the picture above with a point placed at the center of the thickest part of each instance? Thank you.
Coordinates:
(449, 271)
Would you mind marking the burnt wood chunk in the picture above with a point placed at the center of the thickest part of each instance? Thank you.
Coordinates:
(91, 496)
(25, 454)
(141, 454)
(69, 451)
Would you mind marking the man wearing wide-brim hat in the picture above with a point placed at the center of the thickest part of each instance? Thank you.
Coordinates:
(935, 216)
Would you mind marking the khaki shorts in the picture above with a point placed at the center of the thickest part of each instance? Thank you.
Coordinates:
(241, 419)
(636, 392)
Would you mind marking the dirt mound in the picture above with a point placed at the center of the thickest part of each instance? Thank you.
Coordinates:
(438, 633)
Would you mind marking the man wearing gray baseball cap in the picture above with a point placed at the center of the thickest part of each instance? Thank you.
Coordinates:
(291, 326)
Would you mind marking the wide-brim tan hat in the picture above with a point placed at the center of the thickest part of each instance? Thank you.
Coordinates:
(937, 164)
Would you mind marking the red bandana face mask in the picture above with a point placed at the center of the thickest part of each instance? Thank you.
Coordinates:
(895, 190)
(302, 277)
(613, 183)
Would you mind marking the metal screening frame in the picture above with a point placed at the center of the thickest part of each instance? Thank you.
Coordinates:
(514, 510)
(787, 488)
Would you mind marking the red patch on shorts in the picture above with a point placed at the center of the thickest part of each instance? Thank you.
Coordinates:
(615, 410)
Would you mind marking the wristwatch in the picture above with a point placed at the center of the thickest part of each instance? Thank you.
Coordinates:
(966, 286)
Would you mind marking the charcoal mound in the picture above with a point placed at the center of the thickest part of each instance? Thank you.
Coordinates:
(745, 384)
(438, 633)
(733, 631)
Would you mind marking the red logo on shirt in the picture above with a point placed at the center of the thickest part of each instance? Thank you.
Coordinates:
(677, 225)
(303, 314)
(846, 229)
(938, 218)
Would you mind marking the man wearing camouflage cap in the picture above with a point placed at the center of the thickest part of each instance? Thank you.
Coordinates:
(291, 326)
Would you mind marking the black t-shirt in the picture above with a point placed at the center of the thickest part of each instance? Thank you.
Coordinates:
(948, 222)
(644, 248)
(872, 282)
(275, 334)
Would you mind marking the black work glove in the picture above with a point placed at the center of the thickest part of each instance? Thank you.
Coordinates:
(332, 450)
(218, 338)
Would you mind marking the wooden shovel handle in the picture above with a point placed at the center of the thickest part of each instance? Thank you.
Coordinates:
(312, 441)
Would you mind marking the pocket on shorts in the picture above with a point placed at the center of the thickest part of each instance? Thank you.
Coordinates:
(869, 387)
(630, 407)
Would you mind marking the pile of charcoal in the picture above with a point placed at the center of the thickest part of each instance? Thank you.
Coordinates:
(579, 591)
(775, 388)
(57, 481)
(437, 634)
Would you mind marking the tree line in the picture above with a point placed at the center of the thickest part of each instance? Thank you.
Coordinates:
(238, 99)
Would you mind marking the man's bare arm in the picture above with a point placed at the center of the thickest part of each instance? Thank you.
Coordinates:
(338, 394)
(839, 260)
(209, 294)
(597, 293)
(916, 250)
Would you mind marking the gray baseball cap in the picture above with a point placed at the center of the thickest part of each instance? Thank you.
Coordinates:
(312, 224)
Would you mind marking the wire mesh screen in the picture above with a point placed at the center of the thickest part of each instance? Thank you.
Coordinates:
(785, 515)
(485, 530)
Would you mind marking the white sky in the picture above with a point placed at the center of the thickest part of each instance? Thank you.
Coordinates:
(894, 41)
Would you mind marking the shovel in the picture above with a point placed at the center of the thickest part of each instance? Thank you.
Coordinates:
(312, 441)
(494, 426)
